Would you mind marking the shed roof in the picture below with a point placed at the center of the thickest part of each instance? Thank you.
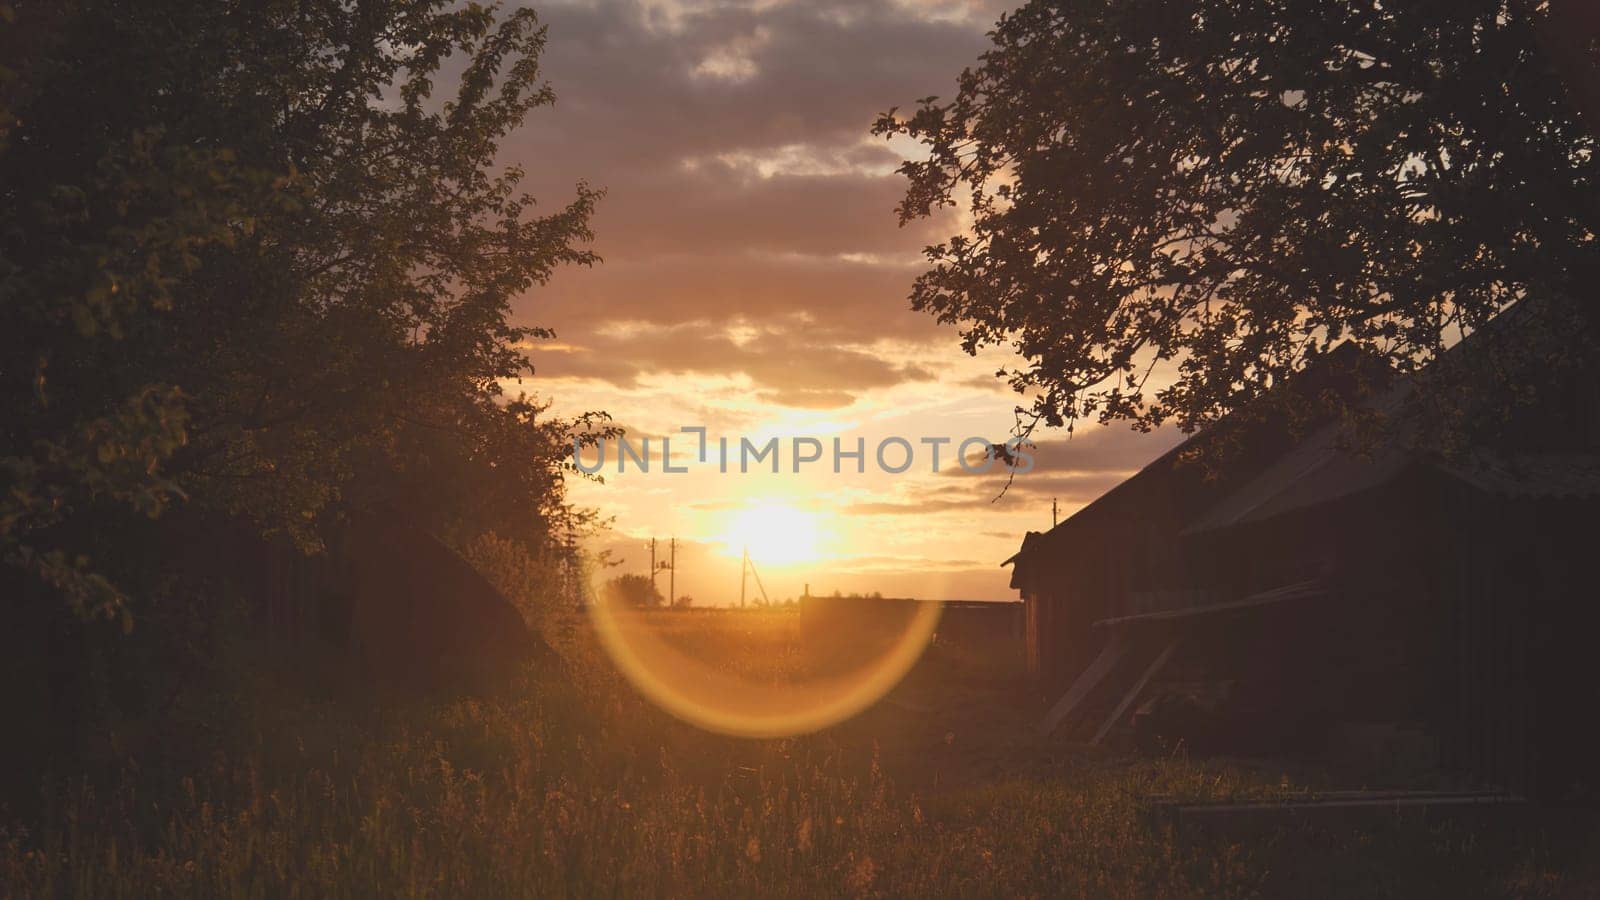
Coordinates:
(1531, 475)
(1316, 472)
(1319, 472)
(1190, 487)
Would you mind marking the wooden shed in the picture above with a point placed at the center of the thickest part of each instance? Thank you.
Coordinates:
(1311, 599)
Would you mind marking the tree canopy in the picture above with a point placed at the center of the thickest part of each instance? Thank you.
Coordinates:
(260, 258)
(1220, 192)
(634, 589)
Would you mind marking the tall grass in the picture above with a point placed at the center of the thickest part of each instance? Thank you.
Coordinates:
(564, 783)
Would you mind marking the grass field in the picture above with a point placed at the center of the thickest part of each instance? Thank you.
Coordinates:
(564, 782)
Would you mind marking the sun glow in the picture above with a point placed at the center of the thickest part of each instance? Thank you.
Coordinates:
(774, 533)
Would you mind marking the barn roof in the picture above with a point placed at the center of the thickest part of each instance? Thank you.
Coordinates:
(1189, 486)
(1319, 472)
(1534, 475)
(1319, 469)
(1315, 472)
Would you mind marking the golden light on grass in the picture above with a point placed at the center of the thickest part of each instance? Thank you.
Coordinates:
(774, 533)
(754, 684)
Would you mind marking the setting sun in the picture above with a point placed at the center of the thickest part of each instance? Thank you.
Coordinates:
(774, 533)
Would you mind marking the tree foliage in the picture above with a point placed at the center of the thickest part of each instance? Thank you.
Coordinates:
(260, 257)
(1220, 192)
(634, 589)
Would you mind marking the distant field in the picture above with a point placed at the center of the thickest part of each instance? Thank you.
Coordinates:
(566, 783)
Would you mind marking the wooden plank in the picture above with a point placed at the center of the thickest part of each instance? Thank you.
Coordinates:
(1112, 654)
(1298, 591)
(1347, 810)
(1137, 689)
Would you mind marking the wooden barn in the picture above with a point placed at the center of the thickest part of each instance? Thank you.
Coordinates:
(1393, 607)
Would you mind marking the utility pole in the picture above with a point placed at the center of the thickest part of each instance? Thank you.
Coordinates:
(744, 566)
(765, 600)
(653, 565)
(1053, 520)
(672, 573)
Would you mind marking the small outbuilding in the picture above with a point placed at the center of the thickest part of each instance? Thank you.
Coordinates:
(1392, 605)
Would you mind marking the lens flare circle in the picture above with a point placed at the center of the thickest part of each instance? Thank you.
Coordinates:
(727, 703)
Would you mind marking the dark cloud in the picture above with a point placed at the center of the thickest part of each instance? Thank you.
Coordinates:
(1072, 472)
(718, 207)
(790, 369)
(742, 182)
(980, 494)
(963, 502)
(806, 398)
(1075, 489)
(832, 298)
(900, 563)
(1114, 448)
(988, 383)
(1097, 449)
(639, 89)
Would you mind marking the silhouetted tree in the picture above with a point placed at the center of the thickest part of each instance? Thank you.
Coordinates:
(250, 257)
(1236, 187)
(634, 589)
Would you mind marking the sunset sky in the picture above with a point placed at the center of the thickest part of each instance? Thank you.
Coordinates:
(754, 282)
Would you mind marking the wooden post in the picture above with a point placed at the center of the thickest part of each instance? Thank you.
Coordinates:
(1086, 682)
(1137, 689)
